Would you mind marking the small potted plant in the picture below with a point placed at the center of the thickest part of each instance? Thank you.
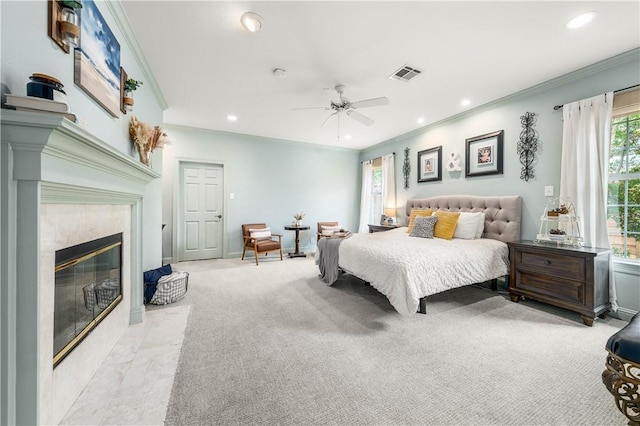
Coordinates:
(129, 86)
(298, 218)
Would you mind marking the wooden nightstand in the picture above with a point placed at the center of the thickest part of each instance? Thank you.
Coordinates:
(574, 278)
(381, 228)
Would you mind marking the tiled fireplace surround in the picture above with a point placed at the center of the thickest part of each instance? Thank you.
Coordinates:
(61, 186)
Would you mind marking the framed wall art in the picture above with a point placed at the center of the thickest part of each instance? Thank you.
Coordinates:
(430, 165)
(484, 154)
(97, 60)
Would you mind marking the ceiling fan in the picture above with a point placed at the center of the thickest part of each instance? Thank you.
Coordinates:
(349, 108)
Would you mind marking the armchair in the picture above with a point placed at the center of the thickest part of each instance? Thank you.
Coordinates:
(258, 237)
(321, 224)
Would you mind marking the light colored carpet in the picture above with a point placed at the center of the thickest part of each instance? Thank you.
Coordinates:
(272, 344)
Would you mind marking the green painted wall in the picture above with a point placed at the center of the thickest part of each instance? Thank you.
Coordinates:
(271, 180)
(26, 48)
(616, 73)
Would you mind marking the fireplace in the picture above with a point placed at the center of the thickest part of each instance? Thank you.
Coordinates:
(60, 187)
(88, 285)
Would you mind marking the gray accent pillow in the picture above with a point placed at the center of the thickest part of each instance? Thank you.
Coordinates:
(423, 227)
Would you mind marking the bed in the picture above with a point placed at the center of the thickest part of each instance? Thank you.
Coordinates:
(408, 269)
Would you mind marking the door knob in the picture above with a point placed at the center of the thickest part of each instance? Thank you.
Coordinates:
(219, 216)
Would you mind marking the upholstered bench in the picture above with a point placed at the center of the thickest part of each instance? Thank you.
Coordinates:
(622, 376)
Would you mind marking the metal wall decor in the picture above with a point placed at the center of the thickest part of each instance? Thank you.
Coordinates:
(406, 168)
(527, 145)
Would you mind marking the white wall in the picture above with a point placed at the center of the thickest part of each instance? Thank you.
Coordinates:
(616, 73)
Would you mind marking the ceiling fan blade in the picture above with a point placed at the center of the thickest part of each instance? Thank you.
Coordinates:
(327, 119)
(361, 118)
(370, 103)
(300, 109)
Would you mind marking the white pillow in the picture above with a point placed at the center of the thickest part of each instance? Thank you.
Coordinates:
(260, 233)
(467, 226)
(480, 230)
(328, 231)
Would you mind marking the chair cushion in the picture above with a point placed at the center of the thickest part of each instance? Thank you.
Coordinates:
(264, 245)
(626, 342)
(328, 231)
(260, 233)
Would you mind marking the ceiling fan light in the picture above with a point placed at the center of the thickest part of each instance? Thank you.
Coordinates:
(251, 21)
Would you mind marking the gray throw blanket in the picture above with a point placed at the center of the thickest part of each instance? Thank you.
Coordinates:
(327, 259)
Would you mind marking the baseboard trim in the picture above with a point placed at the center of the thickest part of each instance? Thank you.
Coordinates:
(623, 314)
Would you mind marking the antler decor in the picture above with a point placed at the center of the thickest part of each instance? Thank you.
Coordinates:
(146, 139)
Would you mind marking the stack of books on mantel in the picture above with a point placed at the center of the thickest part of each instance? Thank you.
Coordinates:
(41, 105)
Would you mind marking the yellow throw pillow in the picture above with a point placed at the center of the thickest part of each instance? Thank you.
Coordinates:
(415, 213)
(446, 224)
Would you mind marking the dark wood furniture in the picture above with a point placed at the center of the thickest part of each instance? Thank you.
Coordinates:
(381, 228)
(574, 278)
(297, 253)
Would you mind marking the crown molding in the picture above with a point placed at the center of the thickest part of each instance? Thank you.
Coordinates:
(614, 61)
(120, 16)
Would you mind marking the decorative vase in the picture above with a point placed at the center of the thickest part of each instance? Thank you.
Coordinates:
(127, 100)
(298, 222)
(145, 157)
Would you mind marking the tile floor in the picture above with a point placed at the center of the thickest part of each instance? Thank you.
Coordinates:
(134, 385)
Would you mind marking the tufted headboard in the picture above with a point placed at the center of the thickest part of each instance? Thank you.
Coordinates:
(502, 213)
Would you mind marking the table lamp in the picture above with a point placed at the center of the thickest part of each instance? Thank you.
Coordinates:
(390, 213)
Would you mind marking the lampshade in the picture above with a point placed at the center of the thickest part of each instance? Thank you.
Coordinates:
(390, 211)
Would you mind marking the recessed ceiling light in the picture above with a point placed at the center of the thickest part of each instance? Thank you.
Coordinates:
(232, 118)
(251, 21)
(347, 137)
(420, 120)
(465, 102)
(580, 20)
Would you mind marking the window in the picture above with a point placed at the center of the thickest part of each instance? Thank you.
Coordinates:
(623, 204)
(376, 192)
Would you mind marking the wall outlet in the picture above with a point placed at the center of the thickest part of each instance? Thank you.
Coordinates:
(548, 191)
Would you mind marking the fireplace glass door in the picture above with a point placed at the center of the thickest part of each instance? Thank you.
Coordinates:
(88, 285)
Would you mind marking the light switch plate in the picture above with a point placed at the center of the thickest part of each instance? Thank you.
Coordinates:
(548, 191)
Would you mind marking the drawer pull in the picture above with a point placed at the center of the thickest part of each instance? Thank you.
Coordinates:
(547, 262)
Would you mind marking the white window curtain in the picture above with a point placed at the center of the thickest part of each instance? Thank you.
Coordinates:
(365, 201)
(388, 186)
(586, 136)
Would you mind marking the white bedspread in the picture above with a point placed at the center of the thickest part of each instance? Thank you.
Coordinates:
(407, 268)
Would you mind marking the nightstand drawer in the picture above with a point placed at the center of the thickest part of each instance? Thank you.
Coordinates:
(554, 264)
(542, 285)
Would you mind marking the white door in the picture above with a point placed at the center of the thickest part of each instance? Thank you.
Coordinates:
(201, 208)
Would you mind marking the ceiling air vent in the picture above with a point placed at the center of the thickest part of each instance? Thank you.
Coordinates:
(405, 73)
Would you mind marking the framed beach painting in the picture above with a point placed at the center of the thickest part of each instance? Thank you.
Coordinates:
(97, 60)
(430, 165)
(484, 154)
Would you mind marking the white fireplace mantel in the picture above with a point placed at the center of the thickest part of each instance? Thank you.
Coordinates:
(46, 159)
